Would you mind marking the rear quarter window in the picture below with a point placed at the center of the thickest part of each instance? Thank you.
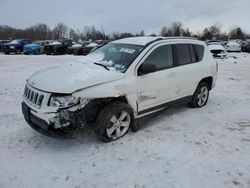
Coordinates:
(199, 52)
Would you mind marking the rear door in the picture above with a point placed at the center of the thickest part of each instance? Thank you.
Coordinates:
(189, 67)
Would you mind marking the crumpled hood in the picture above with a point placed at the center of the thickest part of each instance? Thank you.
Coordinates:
(71, 77)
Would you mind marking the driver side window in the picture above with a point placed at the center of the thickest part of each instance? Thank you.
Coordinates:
(161, 58)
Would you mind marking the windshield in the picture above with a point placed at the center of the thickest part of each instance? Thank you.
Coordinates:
(37, 42)
(116, 56)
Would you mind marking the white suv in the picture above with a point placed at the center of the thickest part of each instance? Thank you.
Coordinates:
(122, 81)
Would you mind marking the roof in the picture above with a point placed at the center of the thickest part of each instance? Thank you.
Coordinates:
(143, 41)
(137, 40)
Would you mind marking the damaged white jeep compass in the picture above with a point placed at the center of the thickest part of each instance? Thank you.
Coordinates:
(121, 81)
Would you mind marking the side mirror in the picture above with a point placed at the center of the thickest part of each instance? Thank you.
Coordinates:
(146, 68)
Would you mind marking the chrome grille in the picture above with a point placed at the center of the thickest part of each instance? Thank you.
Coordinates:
(33, 97)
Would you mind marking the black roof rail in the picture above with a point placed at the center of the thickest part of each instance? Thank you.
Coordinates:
(170, 38)
(158, 39)
(192, 38)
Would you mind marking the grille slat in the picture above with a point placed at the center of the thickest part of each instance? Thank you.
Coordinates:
(33, 97)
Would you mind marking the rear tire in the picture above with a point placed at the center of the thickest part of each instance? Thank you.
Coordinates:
(114, 121)
(200, 96)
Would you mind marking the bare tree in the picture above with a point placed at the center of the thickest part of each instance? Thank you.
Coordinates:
(60, 31)
(152, 35)
(237, 33)
(141, 34)
(163, 31)
(39, 32)
(166, 32)
(176, 29)
(206, 34)
(74, 34)
(215, 30)
(105, 37)
(187, 33)
(117, 35)
(91, 32)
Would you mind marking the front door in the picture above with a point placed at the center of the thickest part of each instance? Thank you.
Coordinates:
(156, 79)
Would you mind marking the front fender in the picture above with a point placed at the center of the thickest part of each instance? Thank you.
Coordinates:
(125, 88)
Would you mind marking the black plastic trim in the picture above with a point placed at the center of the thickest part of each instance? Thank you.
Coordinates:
(166, 105)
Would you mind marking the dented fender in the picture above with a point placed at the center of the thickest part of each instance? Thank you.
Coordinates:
(126, 88)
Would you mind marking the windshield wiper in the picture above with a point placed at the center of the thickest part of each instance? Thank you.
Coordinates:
(105, 66)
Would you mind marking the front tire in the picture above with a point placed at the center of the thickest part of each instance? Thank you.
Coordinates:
(200, 96)
(18, 51)
(114, 121)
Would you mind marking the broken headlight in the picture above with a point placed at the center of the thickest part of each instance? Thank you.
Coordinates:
(63, 101)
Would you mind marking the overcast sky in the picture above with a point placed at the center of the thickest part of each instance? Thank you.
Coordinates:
(126, 15)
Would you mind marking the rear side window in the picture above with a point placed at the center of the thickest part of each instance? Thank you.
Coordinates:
(188, 53)
(199, 52)
(182, 54)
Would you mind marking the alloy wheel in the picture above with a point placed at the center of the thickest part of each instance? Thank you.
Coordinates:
(118, 125)
(202, 96)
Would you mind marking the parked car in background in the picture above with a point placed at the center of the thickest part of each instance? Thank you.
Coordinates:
(76, 46)
(233, 47)
(2, 42)
(97, 47)
(33, 48)
(58, 47)
(15, 46)
(239, 41)
(78, 49)
(217, 50)
(245, 47)
(87, 49)
(36, 47)
(118, 83)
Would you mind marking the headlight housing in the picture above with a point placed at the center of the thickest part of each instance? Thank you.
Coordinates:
(63, 101)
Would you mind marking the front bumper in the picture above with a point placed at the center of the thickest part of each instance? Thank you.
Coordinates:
(55, 50)
(29, 51)
(75, 120)
(9, 50)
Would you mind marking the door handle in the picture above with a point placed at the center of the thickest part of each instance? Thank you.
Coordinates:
(172, 74)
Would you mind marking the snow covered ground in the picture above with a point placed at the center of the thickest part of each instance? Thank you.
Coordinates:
(178, 148)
